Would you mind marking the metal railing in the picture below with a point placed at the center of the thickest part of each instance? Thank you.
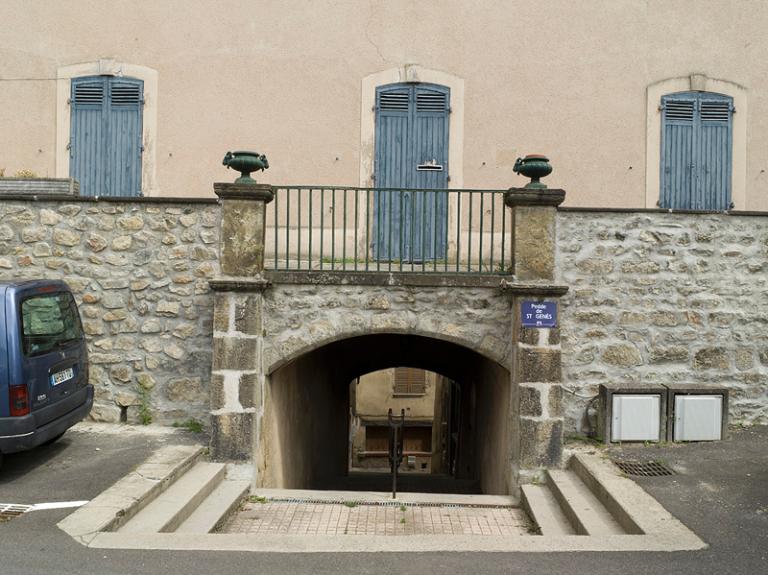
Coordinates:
(376, 229)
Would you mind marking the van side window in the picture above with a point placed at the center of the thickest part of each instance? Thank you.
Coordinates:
(49, 322)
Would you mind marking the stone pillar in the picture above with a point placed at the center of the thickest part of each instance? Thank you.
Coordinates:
(537, 374)
(534, 216)
(536, 355)
(243, 225)
(237, 375)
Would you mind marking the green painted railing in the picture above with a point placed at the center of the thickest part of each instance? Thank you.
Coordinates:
(374, 229)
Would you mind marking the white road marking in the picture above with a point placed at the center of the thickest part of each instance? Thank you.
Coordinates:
(57, 505)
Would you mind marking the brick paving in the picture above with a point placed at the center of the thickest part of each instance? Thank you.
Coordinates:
(305, 518)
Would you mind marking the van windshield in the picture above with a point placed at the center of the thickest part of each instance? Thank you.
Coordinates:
(49, 322)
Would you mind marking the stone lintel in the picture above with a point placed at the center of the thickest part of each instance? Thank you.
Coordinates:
(530, 289)
(240, 284)
(407, 279)
(256, 192)
(528, 197)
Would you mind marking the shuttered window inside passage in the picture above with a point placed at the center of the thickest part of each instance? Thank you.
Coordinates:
(410, 381)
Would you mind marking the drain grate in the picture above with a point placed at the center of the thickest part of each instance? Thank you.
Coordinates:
(10, 510)
(644, 468)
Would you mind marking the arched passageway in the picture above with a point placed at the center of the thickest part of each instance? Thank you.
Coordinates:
(305, 426)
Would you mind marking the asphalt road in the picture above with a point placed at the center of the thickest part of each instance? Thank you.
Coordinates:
(721, 492)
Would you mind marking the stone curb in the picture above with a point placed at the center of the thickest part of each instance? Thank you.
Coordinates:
(633, 508)
(129, 495)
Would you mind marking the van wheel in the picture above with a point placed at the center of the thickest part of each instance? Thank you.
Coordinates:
(54, 439)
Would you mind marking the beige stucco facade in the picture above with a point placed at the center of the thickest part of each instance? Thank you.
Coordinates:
(578, 81)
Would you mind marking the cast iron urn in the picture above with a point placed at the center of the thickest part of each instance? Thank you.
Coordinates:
(245, 163)
(534, 166)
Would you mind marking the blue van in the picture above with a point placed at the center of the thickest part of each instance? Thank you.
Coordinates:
(44, 386)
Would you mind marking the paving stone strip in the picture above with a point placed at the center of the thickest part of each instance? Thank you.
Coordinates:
(314, 518)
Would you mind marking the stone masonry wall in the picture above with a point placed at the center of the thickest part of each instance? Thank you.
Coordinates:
(140, 271)
(659, 297)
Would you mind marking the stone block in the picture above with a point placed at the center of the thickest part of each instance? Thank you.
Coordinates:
(668, 353)
(622, 355)
(248, 314)
(530, 401)
(528, 335)
(593, 317)
(556, 401)
(234, 353)
(538, 365)
(711, 358)
(217, 391)
(250, 390)
(242, 237)
(232, 437)
(541, 443)
(221, 312)
(186, 389)
(534, 242)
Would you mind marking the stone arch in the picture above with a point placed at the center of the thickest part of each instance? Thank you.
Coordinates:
(303, 428)
(489, 352)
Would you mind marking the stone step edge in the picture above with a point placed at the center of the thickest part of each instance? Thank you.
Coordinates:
(650, 517)
(171, 507)
(205, 520)
(194, 502)
(555, 485)
(594, 479)
(542, 517)
(116, 505)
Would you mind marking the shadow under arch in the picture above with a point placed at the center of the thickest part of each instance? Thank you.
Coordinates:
(305, 427)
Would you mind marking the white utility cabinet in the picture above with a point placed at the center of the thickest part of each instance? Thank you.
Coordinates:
(698, 417)
(635, 417)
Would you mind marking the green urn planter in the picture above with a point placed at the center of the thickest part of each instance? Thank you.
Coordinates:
(534, 166)
(245, 163)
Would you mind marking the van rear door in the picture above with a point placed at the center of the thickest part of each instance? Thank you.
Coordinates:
(51, 354)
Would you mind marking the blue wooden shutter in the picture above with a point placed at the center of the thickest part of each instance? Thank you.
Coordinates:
(393, 156)
(88, 133)
(715, 142)
(696, 151)
(430, 145)
(123, 177)
(105, 135)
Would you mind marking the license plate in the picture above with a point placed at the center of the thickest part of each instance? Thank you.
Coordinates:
(62, 376)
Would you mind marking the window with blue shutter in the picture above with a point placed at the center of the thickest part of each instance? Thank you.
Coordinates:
(411, 154)
(696, 150)
(105, 135)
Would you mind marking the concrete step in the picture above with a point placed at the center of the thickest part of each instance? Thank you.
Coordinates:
(601, 478)
(216, 507)
(587, 514)
(544, 510)
(175, 504)
(120, 503)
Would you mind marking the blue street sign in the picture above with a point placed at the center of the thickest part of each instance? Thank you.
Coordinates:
(538, 314)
